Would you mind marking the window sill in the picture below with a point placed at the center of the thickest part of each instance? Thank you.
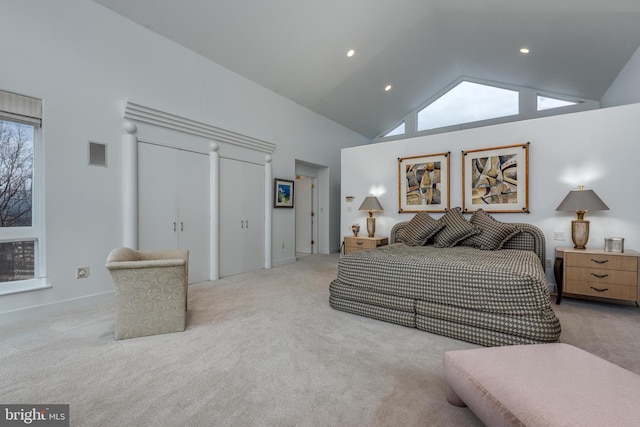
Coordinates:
(8, 288)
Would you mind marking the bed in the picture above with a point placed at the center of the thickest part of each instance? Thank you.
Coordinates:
(487, 297)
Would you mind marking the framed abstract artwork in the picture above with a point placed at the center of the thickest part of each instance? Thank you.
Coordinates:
(282, 193)
(496, 179)
(423, 183)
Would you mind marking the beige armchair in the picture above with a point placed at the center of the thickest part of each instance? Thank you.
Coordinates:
(151, 291)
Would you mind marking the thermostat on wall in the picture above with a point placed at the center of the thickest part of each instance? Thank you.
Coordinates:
(349, 198)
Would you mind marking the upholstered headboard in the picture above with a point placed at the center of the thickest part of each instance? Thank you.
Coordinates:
(531, 239)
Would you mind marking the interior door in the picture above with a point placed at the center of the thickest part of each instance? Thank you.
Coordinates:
(193, 212)
(304, 211)
(157, 196)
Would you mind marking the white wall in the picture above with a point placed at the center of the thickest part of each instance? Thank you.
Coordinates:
(598, 148)
(84, 62)
(626, 87)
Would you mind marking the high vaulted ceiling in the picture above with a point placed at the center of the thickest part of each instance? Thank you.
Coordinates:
(297, 48)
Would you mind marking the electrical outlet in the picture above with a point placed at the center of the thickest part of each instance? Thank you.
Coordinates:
(558, 235)
(82, 272)
(349, 209)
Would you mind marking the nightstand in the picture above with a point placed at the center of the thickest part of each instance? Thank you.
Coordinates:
(355, 244)
(596, 273)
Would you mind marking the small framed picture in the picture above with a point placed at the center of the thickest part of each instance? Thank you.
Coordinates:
(283, 193)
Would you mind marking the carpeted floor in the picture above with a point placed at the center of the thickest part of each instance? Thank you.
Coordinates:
(264, 349)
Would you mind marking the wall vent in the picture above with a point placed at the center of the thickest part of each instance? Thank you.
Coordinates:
(97, 154)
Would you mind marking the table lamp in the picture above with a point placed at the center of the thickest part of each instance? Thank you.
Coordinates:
(581, 201)
(371, 204)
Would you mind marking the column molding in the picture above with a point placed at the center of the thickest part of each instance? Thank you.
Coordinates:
(130, 185)
(152, 116)
(268, 197)
(214, 211)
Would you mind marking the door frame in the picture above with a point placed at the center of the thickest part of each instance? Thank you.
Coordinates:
(322, 214)
(303, 213)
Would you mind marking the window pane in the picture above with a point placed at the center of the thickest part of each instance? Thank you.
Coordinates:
(545, 103)
(468, 102)
(397, 131)
(17, 261)
(16, 174)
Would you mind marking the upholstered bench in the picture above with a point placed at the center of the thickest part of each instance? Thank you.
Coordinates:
(542, 385)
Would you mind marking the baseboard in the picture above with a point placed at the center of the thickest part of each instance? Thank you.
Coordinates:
(45, 310)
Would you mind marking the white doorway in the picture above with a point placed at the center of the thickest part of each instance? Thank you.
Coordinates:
(321, 212)
(306, 206)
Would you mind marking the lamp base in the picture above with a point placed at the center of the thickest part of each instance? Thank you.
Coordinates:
(371, 226)
(580, 233)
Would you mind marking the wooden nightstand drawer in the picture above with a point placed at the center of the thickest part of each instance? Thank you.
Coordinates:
(360, 243)
(355, 244)
(601, 275)
(613, 262)
(602, 290)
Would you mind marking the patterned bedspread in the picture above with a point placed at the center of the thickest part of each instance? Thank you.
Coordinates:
(508, 281)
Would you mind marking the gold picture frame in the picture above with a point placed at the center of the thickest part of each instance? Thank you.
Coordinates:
(423, 183)
(496, 179)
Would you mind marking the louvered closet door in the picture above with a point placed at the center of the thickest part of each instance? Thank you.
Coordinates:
(241, 217)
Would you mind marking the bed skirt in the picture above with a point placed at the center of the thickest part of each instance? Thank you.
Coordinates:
(481, 328)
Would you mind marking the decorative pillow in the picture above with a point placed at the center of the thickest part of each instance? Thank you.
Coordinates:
(455, 230)
(419, 229)
(493, 233)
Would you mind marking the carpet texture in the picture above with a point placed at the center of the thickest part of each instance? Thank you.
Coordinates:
(264, 349)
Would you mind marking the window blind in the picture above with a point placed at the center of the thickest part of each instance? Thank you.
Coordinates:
(20, 108)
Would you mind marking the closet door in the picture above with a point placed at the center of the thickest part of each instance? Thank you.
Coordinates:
(193, 212)
(231, 217)
(173, 204)
(157, 196)
(241, 217)
(254, 215)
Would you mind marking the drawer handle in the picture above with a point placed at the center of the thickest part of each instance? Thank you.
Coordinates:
(359, 243)
(599, 290)
(599, 276)
(600, 262)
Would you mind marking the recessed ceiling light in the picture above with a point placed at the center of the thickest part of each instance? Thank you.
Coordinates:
(351, 52)
(387, 88)
(524, 50)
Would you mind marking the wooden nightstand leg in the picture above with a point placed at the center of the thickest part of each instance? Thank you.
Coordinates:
(557, 273)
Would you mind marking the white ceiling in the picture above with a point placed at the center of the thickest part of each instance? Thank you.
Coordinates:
(297, 48)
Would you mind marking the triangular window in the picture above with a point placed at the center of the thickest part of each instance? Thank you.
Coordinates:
(397, 131)
(546, 103)
(468, 102)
